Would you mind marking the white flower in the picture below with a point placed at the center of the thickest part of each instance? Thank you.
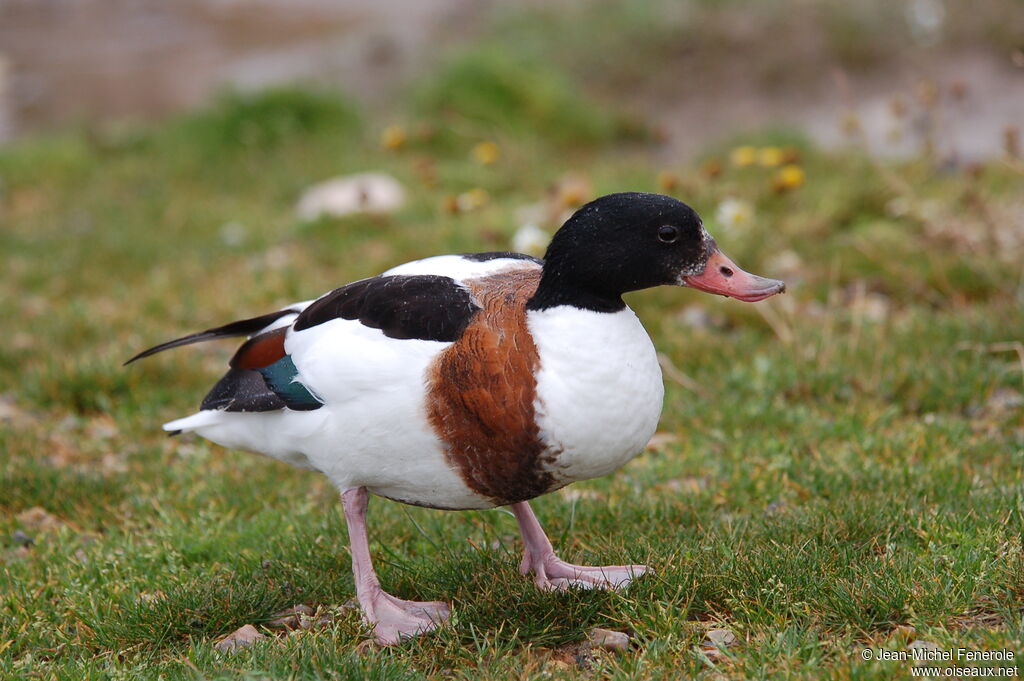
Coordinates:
(734, 213)
(785, 262)
(232, 233)
(530, 239)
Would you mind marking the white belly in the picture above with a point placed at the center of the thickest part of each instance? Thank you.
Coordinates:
(599, 389)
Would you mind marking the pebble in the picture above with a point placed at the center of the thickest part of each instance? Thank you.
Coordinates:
(715, 643)
(291, 618)
(22, 539)
(720, 637)
(37, 518)
(243, 637)
(374, 193)
(608, 639)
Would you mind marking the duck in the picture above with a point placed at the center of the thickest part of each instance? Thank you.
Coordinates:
(470, 381)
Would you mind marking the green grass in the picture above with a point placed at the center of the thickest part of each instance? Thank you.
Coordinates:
(841, 466)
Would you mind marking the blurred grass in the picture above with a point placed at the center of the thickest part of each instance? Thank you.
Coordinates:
(489, 89)
(847, 458)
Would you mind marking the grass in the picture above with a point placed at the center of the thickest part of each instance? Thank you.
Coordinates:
(844, 461)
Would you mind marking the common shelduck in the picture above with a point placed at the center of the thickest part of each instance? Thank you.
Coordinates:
(470, 381)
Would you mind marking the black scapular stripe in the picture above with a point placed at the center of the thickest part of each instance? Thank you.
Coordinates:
(423, 307)
(499, 255)
(243, 327)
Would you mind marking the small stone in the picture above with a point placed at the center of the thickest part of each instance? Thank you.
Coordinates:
(720, 637)
(37, 518)
(903, 632)
(689, 485)
(366, 647)
(922, 645)
(1004, 399)
(572, 494)
(661, 440)
(715, 643)
(21, 539)
(11, 412)
(291, 618)
(556, 664)
(374, 193)
(608, 639)
(152, 596)
(244, 637)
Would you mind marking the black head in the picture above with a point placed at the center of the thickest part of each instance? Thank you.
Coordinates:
(620, 243)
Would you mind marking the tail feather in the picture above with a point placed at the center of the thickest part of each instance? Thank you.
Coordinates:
(243, 327)
(189, 423)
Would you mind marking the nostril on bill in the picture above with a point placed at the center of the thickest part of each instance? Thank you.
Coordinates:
(726, 272)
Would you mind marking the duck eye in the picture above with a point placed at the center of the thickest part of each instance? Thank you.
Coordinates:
(668, 233)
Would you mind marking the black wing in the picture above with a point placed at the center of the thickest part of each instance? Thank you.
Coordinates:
(422, 306)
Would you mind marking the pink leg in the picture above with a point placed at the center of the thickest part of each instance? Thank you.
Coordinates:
(552, 573)
(392, 618)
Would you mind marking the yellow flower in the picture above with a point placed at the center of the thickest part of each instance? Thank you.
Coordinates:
(486, 153)
(789, 177)
(743, 156)
(393, 137)
(667, 181)
(770, 157)
(465, 202)
(712, 167)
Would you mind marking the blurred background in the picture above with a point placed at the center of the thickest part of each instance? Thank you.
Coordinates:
(838, 466)
(697, 69)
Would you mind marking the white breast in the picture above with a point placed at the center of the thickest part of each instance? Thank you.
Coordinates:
(599, 389)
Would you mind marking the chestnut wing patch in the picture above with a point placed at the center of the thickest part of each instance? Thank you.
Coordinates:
(262, 378)
(423, 307)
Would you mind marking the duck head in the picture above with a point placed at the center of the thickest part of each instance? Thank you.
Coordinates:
(631, 241)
